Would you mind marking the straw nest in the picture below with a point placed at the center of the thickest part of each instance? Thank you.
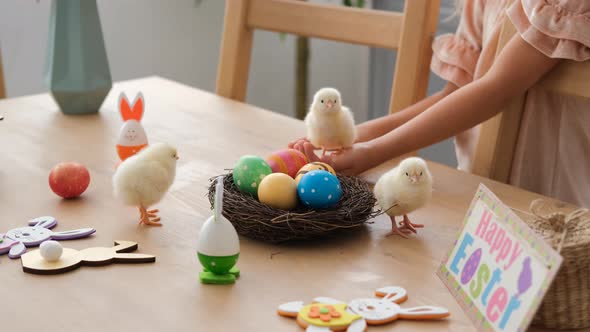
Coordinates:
(260, 222)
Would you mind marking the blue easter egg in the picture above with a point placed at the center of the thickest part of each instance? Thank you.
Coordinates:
(319, 189)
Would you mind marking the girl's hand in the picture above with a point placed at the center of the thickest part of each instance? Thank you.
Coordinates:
(298, 144)
(351, 161)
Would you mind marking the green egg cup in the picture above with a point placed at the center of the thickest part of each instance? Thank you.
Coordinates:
(208, 277)
(219, 270)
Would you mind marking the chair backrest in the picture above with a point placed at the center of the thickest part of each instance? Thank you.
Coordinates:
(2, 86)
(498, 136)
(410, 33)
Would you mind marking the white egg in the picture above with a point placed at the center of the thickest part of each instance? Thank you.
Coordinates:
(51, 250)
(218, 238)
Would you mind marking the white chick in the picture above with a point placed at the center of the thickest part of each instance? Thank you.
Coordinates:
(330, 125)
(143, 179)
(402, 190)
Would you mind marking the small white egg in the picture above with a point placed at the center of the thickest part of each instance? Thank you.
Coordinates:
(51, 250)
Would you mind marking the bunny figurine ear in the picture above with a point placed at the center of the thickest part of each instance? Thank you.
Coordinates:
(45, 222)
(131, 111)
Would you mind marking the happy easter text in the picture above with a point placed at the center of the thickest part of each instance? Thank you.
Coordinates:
(482, 263)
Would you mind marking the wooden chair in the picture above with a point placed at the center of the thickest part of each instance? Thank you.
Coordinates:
(410, 33)
(498, 136)
(2, 86)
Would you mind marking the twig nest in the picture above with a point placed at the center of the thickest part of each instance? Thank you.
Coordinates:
(51, 250)
(259, 221)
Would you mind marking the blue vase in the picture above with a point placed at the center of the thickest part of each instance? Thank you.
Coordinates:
(77, 70)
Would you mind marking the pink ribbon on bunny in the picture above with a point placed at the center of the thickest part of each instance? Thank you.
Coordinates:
(132, 137)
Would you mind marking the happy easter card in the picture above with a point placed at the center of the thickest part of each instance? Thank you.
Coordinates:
(498, 269)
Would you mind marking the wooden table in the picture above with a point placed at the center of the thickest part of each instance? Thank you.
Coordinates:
(211, 133)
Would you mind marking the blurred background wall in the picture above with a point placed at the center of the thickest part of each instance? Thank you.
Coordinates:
(180, 39)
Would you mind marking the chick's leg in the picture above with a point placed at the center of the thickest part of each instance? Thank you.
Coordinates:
(407, 224)
(148, 217)
(395, 230)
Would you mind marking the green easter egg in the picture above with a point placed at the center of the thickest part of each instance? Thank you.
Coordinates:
(248, 172)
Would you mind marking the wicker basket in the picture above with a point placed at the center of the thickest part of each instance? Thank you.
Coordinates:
(567, 302)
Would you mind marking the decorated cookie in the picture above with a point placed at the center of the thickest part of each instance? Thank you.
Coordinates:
(327, 314)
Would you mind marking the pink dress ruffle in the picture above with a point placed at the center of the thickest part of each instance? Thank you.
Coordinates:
(454, 59)
(553, 150)
(557, 28)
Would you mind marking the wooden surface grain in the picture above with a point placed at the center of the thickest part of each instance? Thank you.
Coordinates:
(211, 133)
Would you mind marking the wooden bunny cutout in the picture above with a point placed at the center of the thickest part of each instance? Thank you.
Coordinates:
(71, 259)
(132, 137)
(326, 314)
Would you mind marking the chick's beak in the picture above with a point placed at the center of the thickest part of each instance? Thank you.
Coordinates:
(176, 157)
(413, 179)
(329, 105)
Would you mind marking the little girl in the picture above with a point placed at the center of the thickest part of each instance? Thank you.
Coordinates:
(553, 151)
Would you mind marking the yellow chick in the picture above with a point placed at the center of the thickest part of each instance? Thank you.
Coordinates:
(330, 125)
(402, 190)
(142, 180)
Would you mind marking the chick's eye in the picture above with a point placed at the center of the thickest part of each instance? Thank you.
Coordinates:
(335, 101)
(322, 101)
(420, 173)
(407, 174)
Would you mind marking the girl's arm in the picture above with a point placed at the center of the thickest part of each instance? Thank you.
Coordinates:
(518, 67)
(372, 129)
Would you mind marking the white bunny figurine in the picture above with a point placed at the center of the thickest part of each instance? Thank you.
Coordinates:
(132, 137)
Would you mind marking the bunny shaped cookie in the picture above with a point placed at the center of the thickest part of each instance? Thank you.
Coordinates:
(132, 137)
(367, 311)
(16, 241)
(71, 259)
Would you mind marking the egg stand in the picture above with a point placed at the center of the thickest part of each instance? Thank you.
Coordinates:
(217, 269)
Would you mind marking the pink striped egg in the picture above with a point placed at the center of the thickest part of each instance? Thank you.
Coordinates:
(287, 161)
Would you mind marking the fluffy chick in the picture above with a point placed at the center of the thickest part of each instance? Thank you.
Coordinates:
(402, 190)
(143, 179)
(330, 125)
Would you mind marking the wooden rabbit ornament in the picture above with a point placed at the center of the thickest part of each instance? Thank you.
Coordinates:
(71, 259)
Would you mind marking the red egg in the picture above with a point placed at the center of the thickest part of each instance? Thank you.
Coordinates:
(69, 179)
(287, 161)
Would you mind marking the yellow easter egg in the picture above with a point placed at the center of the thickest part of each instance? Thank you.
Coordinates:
(314, 166)
(278, 190)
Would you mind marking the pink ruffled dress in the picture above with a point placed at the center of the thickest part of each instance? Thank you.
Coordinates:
(553, 149)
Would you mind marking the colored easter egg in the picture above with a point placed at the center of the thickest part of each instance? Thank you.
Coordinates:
(471, 266)
(319, 189)
(287, 161)
(69, 179)
(248, 172)
(279, 191)
(314, 166)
